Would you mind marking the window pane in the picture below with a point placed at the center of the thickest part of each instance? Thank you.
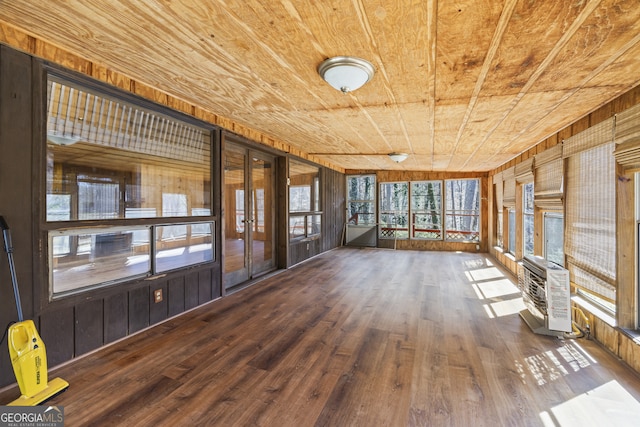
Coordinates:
(116, 159)
(512, 231)
(92, 258)
(300, 198)
(394, 210)
(176, 249)
(362, 213)
(304, 186)
(527, 212)
(314, 223)
(462, 213)
(361, 187)
(426, 209)
(361, 208)
(296, 226)
(554, 238)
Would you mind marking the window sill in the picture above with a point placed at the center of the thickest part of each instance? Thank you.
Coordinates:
(595, 310)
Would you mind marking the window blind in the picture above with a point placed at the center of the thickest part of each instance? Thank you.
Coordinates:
(524, 171)
(627, 138)
(509, 195)
(498, 183)
(590, 214)
(547, 183)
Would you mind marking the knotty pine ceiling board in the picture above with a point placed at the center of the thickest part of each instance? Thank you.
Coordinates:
(460, 85)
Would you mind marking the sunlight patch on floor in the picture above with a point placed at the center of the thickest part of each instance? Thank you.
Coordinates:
(551, 365)
(485, 274)
(607, 405)
(497, 288)
(504, 308)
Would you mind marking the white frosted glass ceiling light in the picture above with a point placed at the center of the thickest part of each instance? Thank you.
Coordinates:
(398, 157)
(346, 73)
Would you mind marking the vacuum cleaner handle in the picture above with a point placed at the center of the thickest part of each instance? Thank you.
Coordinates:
(6, 234)
(8, 247)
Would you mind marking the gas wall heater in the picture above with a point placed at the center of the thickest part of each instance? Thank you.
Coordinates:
(547, 296)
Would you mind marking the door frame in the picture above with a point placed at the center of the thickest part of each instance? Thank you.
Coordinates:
(246, 273)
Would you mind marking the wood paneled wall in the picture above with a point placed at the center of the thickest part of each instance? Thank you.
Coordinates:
(16, 200)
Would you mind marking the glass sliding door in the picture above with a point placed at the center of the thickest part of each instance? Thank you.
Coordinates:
(249, 188)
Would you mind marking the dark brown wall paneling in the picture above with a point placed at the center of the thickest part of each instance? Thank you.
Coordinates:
(175, 295)
(89, 326)
(15, 188)
(57, 332)
(116, 317)
(191, 290)
(205, 290)
(334, 200)
(139, 301)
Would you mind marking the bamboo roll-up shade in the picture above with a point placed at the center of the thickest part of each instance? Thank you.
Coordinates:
(524, 171)
(627, 138)
(628, 125)
(509, 195)
(628, 154)
(589, 138)
(590, 214)
(548, 177)
(499, 189)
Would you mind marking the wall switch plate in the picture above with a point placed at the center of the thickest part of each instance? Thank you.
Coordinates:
(157, 295)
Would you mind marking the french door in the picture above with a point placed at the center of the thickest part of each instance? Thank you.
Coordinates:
(249, 202)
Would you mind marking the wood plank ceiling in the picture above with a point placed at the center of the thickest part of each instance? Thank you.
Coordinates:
(460, 85)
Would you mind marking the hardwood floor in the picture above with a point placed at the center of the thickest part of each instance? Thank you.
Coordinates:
(355, 337)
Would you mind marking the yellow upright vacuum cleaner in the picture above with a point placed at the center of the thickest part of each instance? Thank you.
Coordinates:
(26, 349)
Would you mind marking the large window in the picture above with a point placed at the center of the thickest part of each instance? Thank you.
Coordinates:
(527, 218)
(305, 215)
(128, 189)
(462, 214)
(433, 210)
(394, 210)
(361, 204)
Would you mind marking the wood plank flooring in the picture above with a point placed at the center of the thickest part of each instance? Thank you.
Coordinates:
(354, 337)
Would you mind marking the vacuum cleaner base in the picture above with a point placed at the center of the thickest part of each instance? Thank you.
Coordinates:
(54, 388)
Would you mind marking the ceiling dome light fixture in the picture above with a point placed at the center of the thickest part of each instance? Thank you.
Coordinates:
(398, 157)
(346, 73)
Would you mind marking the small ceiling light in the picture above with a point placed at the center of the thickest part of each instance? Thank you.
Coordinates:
(346, 73)
(398, 157)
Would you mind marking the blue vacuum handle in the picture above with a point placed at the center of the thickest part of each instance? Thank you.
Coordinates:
(8, 247)
(6, 234)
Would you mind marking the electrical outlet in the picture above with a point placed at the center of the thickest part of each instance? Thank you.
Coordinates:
(157, 295)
